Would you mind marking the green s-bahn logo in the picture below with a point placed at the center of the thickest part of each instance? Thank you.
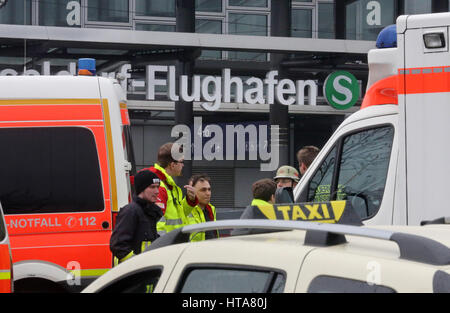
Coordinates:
(341, 90)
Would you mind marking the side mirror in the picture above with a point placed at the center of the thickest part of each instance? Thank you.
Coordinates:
(284, 195)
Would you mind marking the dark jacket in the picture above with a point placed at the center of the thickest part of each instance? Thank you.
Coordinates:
(135, 224)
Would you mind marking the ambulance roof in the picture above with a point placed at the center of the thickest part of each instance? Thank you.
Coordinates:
(422, 20)
(370, 112)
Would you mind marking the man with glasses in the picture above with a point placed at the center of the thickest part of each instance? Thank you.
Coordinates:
(170, 198)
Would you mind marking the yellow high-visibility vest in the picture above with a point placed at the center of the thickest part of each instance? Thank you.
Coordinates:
(174, 216)
(198, 216)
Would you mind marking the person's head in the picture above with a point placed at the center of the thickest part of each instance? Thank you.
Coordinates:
(306, 156)
(146, 184)
(264, 189)
(202, 185)
(286, 176)
(173, 166)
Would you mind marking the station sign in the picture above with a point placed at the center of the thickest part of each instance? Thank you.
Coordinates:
(341, 89)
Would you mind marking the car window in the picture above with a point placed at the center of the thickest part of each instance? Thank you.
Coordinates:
(319, 186)
(360, 177)
(330, 284)
(363, 168)
(231, 280)
(49, 170)
(140, 282)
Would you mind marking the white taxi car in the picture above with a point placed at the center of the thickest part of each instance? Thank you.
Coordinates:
(289, 256)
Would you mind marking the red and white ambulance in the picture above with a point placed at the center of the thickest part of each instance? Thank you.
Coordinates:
(64, 172)
(391, 158)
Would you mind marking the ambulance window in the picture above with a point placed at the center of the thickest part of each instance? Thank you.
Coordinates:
(141, 282)
(329, 284)
(49, 169)
(129, 150)
(2, 226)
(364, 163)
(319, 186)
(231, 280)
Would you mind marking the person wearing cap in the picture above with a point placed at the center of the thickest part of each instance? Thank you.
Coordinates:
(135, 227)
(286, 176)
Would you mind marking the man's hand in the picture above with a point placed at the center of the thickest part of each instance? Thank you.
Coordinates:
(190, 192)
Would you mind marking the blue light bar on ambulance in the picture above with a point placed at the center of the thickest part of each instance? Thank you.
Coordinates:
(86, 66)
(387, 38)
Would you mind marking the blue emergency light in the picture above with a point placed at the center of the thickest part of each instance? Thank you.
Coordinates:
(86, 66)
(387, 38)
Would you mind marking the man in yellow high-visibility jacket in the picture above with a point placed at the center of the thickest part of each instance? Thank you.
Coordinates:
(204, 211)
(170, 197)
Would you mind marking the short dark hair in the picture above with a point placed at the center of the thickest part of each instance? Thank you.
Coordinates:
(199, 177)
(307, 154)
(165, 154)
(264, 189)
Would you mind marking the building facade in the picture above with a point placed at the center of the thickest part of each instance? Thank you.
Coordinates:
(229, 52)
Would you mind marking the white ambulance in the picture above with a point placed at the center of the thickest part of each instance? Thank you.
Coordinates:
(391, 159)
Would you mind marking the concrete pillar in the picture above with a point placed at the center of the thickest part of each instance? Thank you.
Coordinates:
(185, 22)
(280, 26)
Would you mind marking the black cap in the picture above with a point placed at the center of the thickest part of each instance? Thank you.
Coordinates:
(143, 179)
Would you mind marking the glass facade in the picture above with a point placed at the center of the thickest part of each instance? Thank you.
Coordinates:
(366, 18)
(164, 8)
(301, 23)
(326, 21)
(248, 3)
(417, 6)
(208, 5)
(15, 12)
(247, 24)
(115, 11)
(209, 27)
(60, 13)
(310, 18)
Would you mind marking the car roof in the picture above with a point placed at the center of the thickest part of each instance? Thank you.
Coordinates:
(291, 243)
(284, 251)
(425, 244)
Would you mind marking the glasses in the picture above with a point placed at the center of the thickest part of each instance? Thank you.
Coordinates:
(181, 162)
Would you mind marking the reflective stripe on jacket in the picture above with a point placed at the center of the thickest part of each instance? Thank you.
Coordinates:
(144, 246)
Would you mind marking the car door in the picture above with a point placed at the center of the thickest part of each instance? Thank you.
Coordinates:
(363, 266)
(246, 265)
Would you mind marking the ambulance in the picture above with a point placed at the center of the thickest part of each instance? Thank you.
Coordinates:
(391, 159)
(6, 273)
(65, 167)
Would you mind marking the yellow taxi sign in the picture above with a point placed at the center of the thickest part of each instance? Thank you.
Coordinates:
(323, 212)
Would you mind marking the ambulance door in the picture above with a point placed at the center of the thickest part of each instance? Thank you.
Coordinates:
(424, 118)
(55, 189)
